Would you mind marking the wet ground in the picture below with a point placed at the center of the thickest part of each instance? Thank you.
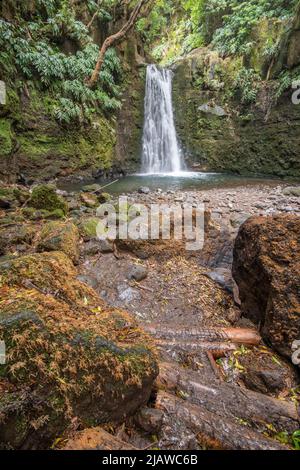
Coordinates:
(180, 297)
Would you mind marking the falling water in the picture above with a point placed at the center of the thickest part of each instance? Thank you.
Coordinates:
(161, 152)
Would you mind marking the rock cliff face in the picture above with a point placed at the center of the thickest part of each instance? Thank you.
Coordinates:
(130, 119)
(34, 145)
(266, 268)
(220, 133)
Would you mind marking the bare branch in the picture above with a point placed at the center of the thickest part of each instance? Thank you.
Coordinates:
(115, 38)
(89, 25)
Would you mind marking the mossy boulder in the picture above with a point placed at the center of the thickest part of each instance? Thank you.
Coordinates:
(40, 214)
(69, 354)
(103, 198)
(12, 196)
(45, 197)
(88, 228)
(89, 200)
(266, 269)
(60, 236)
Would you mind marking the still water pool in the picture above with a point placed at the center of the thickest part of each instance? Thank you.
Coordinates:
(185, 180)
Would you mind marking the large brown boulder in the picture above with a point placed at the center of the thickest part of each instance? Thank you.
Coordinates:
(266, 268)
(70, 357)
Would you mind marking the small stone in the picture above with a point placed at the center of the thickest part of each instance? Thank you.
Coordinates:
(292, 191)
(222, 276)
(138, 273)
(128, 294)
(238, 220)
(144, 190)
(105, 246)
(143, 255)
(259, 206)
(89, 200)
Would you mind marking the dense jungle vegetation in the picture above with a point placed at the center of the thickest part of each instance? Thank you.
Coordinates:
(31, 44)
(49, 50)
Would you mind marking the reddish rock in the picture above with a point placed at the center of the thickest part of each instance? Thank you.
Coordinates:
(266, 268)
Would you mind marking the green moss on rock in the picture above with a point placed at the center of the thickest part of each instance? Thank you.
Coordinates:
(70, 355)
(60, 236)
(103, 198)
(248, 140)
(45, 197)
(6, 144)
(88, 227)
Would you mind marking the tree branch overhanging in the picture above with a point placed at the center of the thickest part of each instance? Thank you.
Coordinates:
(115, 38)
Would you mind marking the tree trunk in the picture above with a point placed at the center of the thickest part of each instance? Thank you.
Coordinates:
(115, 38)
(208, 427)
(244, 336)
(229, 400)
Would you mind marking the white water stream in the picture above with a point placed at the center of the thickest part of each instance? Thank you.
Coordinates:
(161, 152)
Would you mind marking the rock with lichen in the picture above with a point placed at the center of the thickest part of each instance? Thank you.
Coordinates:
(60, 236)
(89, 200)
(45, 197)
(69, 355)
(88, 228)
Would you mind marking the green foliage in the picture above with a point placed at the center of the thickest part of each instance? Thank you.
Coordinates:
(152, 27)
(286, 79)
(242, 16)
(289, 439)
(246, 85)
(175, 28)
(31, 49)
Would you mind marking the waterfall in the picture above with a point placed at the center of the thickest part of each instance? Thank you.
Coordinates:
(161, 152)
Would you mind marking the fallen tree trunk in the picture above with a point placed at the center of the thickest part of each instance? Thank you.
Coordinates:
(245, 336)
(96, 439)
(225, 433)
(217, 349)
(228, 400)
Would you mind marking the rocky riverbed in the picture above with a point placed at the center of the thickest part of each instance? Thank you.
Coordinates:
(222, 382)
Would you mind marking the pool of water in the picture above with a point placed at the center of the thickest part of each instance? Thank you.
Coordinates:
(175, 181)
